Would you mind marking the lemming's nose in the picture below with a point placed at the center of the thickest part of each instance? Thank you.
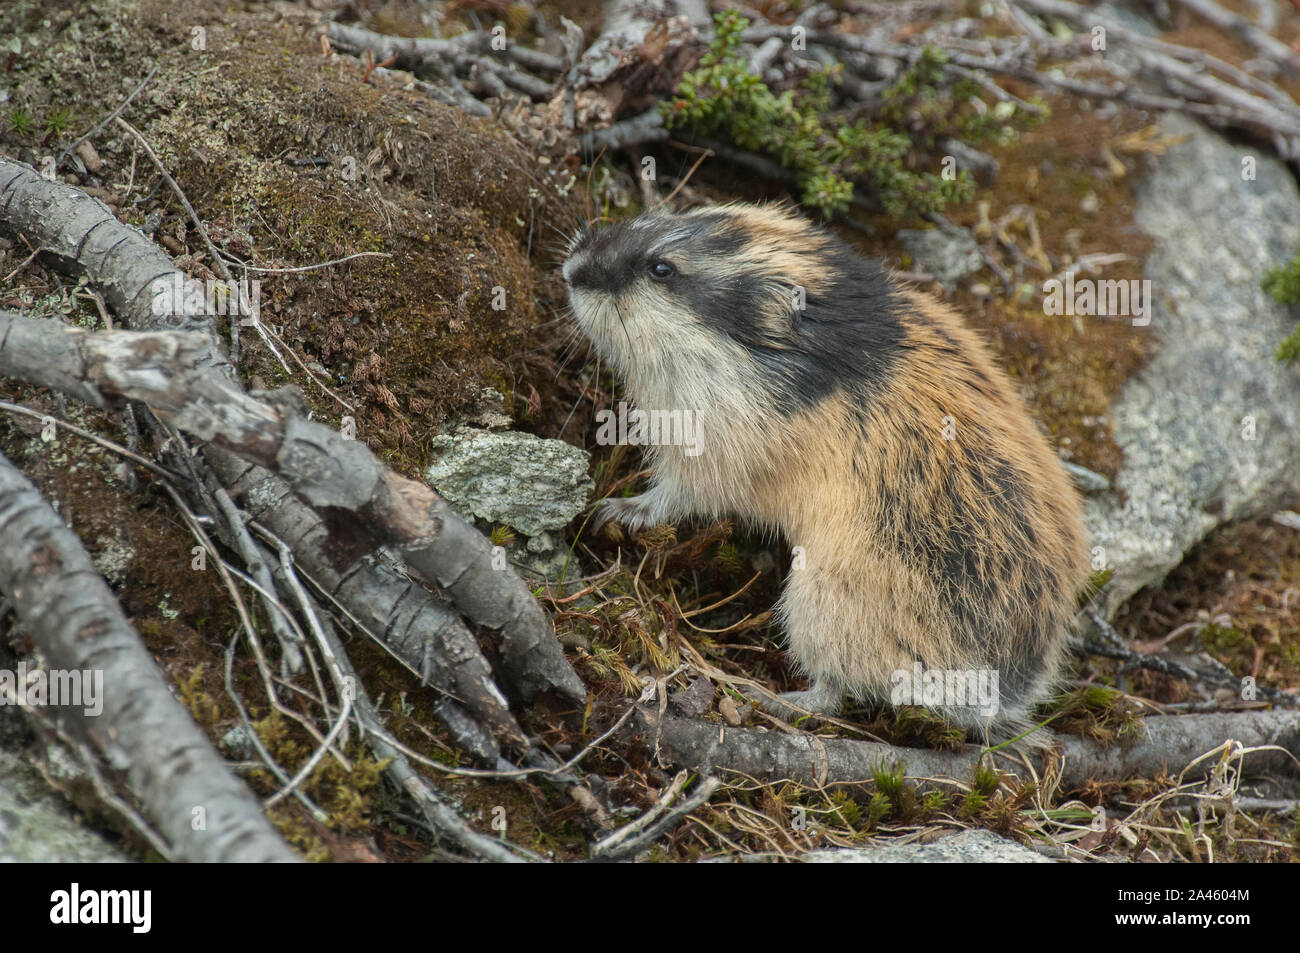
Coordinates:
(587, 271)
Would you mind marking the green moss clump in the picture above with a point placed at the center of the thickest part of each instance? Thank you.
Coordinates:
(1094, 711)
(201, 705)
(1283, 285)
(985, 780)
(56, 121)
(1288, 351)
(21, 122)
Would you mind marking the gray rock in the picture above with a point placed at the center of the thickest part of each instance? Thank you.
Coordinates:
(36, 825)
(694, 700)
(238, 743)
(948, 255)
(1210, 429)
(966, 847)
(516, 479)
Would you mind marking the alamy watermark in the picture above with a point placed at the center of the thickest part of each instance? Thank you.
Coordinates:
(946, 688)
(660, 428)
(56, 687)
(131, 908)
(1107, 299)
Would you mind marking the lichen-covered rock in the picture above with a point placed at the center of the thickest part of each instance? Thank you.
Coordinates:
(36, 825)
(967, 847)
(949, 256)
(1210, 429)
(516, 479)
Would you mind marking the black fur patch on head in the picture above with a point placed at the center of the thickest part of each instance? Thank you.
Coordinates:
(611, 259)
(848, 336)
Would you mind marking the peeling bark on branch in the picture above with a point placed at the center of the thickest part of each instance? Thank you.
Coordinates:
(418, 626)
(83, 236)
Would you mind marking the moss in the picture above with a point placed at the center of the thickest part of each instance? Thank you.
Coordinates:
(345, 795)
(1283, 285)
(459, 206)
(1288, 350)
(21, 122)
(1094, 711)
(193, 696)
(1068, 371)
(984, 783)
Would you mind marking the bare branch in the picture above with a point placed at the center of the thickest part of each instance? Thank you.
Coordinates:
(142, 731)
(1170, 742)
(186, 385)
(85, 236)
(1269, 46)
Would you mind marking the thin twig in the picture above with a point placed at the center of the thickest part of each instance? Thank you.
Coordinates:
(624, 844)
(217, 260)
(323, 264)
(111, 116)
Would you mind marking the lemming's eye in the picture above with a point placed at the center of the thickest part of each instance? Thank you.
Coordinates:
(661, 270)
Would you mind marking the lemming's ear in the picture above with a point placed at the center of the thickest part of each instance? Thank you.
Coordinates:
(778, 318)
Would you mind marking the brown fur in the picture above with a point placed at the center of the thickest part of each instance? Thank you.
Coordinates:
(869, 493)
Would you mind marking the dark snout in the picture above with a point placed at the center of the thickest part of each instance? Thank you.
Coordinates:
(586, 273)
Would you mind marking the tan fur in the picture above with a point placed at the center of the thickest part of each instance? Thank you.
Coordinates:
(862, 607)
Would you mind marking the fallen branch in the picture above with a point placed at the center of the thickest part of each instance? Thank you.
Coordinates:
(1278, 115)
(1170, 742)
(1268, 46)
(170, 767)
(417, 626)
(469, 54)
(84, 236)
(639, 129)
(440, 816)
(1111, 645)
(188, 386)
(1226, 103)
(640, 834)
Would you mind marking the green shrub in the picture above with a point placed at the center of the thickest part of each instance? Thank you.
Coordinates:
(827, 153)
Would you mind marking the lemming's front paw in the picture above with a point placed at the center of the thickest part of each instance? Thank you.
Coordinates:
(630, 512)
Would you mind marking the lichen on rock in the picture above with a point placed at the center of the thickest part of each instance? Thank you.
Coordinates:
(516, 479)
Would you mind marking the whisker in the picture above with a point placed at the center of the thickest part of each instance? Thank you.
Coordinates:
(619, 311)
(582, 393)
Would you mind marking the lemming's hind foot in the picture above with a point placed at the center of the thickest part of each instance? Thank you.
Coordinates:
(819, 700)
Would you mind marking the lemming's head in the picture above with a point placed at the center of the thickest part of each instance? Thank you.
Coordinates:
(753, 293)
